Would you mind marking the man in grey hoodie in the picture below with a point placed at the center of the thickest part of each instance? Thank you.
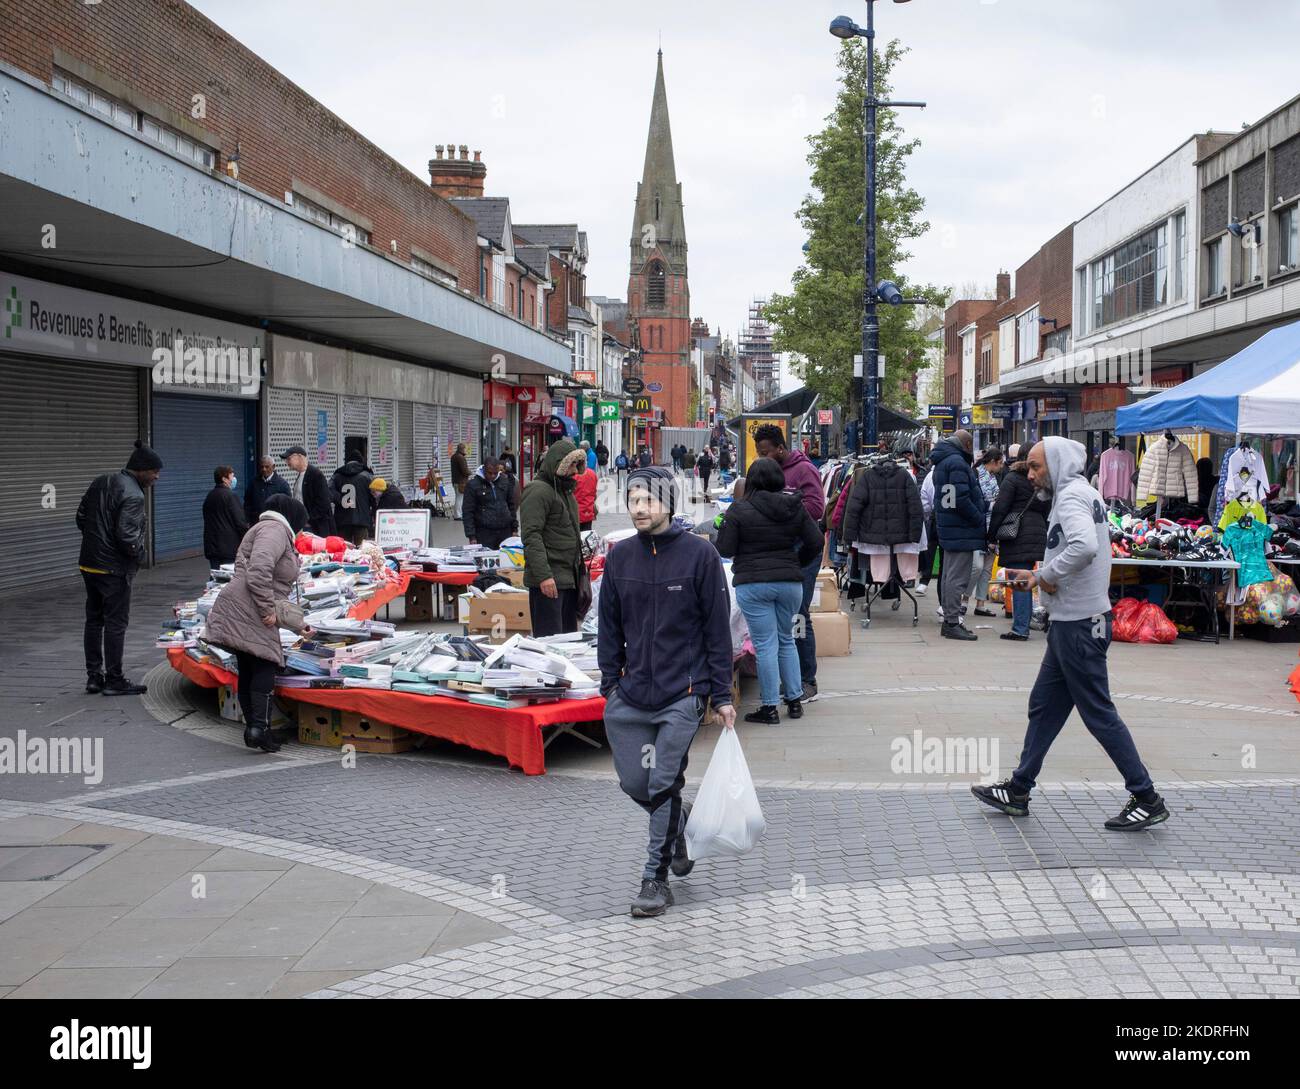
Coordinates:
(1075, 581)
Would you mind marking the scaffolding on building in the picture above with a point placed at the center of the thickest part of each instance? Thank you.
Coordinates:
(756, 354)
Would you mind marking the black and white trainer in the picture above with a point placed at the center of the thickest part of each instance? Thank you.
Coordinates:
(1003, 796)
(1138, 814)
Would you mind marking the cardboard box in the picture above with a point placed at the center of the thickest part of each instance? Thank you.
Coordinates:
(282, 715)
(515, 575)
(356, 725)
(379, 744)
(826, 595)
(321, 726)
(508, 611)
(832, 632)
(710, 715)
(419, 601)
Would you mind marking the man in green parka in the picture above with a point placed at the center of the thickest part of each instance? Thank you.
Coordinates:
(548, 524)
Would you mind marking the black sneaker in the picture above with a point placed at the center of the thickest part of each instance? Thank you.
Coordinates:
(1014, 635)
(957, 631)
(654, 899)
(123, 687)
(94, 683)
(1003, 796)
(981, 611)
(794, 708)
(809, 691)
(682, 863)
(764, 716)
(1137, 814)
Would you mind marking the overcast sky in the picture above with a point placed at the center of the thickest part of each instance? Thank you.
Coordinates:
(1038, 109)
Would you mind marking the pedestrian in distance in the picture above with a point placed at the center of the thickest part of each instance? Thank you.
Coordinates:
(508, 462)
(265, 484)
(548, 524)
(961, 517)
(589, 454)
(802, 477)
(459, 477)
(664, 647)
(224, 524)
(312, 490)
(251, 608)
(354, 511)
(645, 459)
(622, 464)
(490, 513)
(704, 466)
(989, 474)
(584, 491)
(771, 537)
(925, 572)
(386, 495)
(602, 457)
(1074, 581)
(1024, 513)
(114, 540)
(689, 458)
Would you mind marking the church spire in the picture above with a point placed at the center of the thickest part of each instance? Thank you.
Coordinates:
(658, 221)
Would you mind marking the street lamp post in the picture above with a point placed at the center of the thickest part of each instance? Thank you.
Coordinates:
(844, 27)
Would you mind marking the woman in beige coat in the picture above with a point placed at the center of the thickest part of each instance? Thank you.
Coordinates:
(244, 617)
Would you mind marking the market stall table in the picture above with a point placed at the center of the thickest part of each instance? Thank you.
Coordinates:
(520, 734)
(1231, 566)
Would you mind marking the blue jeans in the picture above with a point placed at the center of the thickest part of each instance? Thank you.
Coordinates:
(1022, 610)
(769, 608)
(808, 644)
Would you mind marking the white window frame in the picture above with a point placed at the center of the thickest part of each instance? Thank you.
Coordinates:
(1216, 281)
(1287, 221)
(326, 218)
(1006, 346)
(431, 272)
(1027, 335)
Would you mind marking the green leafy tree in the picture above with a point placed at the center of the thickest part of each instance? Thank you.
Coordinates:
(821, 318)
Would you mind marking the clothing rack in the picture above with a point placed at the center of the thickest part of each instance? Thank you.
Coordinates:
(874, 591)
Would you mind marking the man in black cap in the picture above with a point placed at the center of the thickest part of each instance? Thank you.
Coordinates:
(114, 539)
(664, 647)
(312, 490)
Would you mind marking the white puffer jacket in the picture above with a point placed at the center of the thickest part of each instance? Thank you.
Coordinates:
(1168, 471)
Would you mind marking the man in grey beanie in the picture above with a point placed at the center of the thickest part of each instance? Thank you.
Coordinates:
(664, 649)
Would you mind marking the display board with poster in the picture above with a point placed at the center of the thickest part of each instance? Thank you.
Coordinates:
(748, 425)
(402, 528)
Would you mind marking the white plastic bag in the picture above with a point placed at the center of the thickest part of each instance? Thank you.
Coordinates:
(726, 818)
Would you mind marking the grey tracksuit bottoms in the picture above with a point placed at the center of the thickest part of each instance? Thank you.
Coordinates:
(650, 750)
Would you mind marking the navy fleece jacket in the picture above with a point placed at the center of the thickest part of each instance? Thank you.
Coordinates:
(665, 621)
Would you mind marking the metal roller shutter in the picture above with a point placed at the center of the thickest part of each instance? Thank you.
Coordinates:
(61, 425)
(464, 425)
(286, 429)
(323, 431)
(193, 435)
(356, 421)
(383, 426)
(405, 443)
(424, 428)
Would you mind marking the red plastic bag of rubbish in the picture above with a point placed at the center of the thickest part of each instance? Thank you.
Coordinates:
(1124, 621)
(308, 544)
(1153, 626)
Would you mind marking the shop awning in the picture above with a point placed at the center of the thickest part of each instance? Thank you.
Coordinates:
(152, 225)
(1255, 392)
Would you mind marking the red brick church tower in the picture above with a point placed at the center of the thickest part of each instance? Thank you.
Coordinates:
(658, 296)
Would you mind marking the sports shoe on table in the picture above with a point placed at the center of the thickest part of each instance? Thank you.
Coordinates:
(654, 899)
(1138, 814)
(682, 864)
(1003, 796)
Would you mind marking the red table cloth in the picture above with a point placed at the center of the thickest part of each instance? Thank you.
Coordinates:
(512, 732)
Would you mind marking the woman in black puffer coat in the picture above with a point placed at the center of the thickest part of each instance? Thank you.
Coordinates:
(1029, 544)
(771, 536)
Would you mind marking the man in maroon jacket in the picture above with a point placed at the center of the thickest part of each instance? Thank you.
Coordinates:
(801, 475)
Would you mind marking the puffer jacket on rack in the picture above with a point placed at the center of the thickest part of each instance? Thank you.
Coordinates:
(884, 507)
(1168, 471)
